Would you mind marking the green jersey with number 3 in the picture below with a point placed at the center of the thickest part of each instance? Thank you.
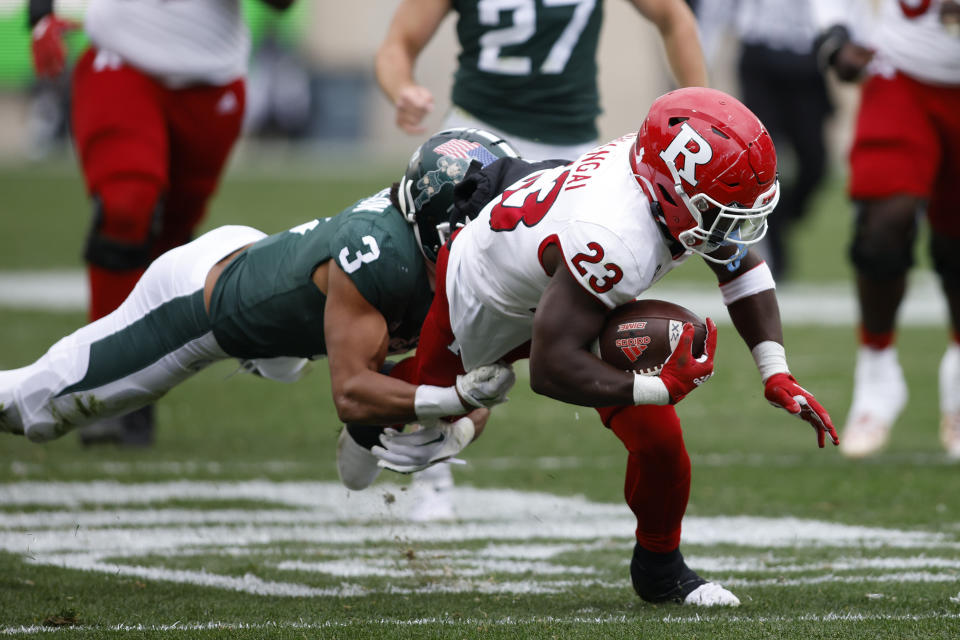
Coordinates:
(265, 303)
(529, 67)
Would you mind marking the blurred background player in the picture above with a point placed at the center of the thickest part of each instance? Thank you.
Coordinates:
(780, 81)
(527, 72)
(157, 104)
(905, 161)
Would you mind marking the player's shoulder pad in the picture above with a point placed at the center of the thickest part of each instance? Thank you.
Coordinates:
(478, 188)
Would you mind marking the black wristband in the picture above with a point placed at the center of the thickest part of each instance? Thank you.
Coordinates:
(828, 44)
(38, 9)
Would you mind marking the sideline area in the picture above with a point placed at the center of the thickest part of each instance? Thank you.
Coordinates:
(829, 304)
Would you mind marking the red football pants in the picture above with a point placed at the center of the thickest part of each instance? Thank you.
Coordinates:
(907, 140)
(142, 145)
(657, 483)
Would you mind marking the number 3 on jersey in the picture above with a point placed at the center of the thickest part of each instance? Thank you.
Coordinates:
(362, 257)
(612, 272)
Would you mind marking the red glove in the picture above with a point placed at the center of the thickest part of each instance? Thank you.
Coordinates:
(782, 390)
(682, 373)
(49, 51)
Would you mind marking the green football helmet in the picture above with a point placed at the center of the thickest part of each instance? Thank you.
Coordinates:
(426, 189)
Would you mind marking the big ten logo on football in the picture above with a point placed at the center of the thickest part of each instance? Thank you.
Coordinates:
(362, 256)
(633, 345)
(695, 151)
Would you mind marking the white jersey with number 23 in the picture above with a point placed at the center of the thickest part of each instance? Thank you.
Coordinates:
(592, 209)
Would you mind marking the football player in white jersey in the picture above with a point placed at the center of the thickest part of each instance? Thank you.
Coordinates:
(904, 162)
(157, 104)
(556, 246)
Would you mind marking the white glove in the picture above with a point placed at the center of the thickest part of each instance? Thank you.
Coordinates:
(486, 385)
(417, 450)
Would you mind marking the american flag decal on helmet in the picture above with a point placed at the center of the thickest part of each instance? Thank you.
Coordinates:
(466, 150)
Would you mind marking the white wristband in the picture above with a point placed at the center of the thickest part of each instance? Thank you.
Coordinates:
(771, 358)
(649, 390)
(747, 284)
(431, 402)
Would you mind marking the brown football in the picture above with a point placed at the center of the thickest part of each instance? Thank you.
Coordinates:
(640, 335)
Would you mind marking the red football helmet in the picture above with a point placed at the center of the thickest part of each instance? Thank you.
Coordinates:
(710, 164)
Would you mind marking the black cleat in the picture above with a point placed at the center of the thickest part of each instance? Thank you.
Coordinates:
(665, 577)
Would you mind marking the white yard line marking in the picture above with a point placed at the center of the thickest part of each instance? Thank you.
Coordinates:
(535, 534)
(700, 618)
(831, 304)
(205, 468)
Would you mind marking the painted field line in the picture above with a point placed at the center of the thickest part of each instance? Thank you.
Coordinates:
(89, 526)
(204, 468)
(828, 304)
(716, 564)
(701, 617)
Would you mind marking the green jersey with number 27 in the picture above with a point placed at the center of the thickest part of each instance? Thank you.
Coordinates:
(529, 67)
(265, 303)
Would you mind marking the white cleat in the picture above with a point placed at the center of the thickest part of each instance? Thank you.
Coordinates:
(879, 395)
(356, 466)
(431, 491)
(711, 594)
(950, 401)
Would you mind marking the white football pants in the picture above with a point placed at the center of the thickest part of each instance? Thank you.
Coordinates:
(157, 338)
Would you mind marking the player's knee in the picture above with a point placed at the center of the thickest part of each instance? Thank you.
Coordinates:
(946, 259)
(883, 237)
(651, 431)
(127, 216)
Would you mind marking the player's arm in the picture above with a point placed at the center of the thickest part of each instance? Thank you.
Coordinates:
(836, 45)
(281, 5)
(357, 339)
(412, 27)
(567, 321)
(47, 47)
(681, 40)
(749, 293)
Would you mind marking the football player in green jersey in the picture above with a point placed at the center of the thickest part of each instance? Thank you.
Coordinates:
(354, 287)
(527, 69)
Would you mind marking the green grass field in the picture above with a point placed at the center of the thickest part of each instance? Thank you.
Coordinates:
(234, 526)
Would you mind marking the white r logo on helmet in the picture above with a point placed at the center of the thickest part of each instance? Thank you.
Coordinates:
(680, 146)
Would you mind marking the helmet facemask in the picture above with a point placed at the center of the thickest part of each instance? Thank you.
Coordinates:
(720, 225)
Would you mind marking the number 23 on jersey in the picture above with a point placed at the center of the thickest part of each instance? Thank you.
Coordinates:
(530, 202)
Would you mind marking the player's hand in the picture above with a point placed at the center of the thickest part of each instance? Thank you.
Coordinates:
(47, 46)
(850, 61)
(414, 103)
(682, 373)
(782, 390)
(486, 385)
(417, 450)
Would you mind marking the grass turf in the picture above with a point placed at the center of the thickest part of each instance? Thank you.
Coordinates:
(749, 460)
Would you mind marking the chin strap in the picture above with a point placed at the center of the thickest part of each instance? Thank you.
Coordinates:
(676, 249)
